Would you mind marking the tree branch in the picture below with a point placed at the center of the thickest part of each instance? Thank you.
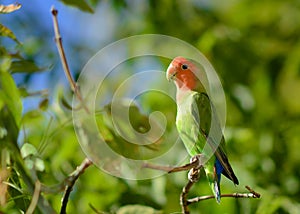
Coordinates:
(71, 181)
(183, 201)
(35, 197)
(86, 162)
(63, 59)
(193, 176)
(252, 194)
(171, 169)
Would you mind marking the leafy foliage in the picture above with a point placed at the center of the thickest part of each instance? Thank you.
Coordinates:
(254, 46)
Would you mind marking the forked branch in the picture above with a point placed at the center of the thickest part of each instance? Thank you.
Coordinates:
(70, 181)
(194, 166)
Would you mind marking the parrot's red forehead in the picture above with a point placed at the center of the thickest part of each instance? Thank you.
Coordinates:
(179, 61)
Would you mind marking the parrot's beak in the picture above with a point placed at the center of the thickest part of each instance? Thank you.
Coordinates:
(171, 73)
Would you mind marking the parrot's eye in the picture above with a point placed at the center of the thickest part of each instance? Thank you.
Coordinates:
(184, 67)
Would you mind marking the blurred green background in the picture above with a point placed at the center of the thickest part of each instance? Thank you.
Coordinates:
(253, 45)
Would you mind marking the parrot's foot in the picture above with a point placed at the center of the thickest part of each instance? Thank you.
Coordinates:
(199, 159)
(194, 173)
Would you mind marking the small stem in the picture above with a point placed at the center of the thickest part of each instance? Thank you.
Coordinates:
(171, 169)
(252, 194)
(256, 194)
(35, 197)
(63, 59)
(71, 181)
(183, 195)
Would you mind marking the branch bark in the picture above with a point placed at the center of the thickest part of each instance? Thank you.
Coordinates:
(63, 59)
(171, 169)
(193, 176)
(252, 194)
(71, 181)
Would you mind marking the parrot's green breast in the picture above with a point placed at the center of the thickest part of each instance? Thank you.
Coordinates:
(187, 122)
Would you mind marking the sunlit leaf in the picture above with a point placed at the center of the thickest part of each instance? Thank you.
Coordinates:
(10, 96)
(43, 105)
(5, 31)
(39, 164)
(25, 66)
(5, 63)
(3, 132)
(9, 8)
(137, 209)
(94, 3)
(28, 150)
(29, 163)
(24, 93)
(80, 4)
(32, 116)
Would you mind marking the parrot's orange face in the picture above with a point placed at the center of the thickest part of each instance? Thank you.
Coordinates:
(181, 72)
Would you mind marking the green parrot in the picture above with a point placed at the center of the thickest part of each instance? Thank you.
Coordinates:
(197, 121)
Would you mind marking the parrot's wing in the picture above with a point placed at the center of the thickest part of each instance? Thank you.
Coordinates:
(210, 127)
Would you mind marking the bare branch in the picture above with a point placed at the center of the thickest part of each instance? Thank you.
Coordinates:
(194, 166)
(95, 210)
(35, 197)
(252, 194)
(183, 196)
(71, 181)
(63, 59)
(171, 169)
(256, 194)
(193, 176)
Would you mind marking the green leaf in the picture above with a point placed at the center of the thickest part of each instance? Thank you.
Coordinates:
(28, 150)
(4, 31)
(93, 3)
(10, 96)
(39, 164)
(137, 209)
(3, 132)
(29, 163)
(32, 117)
(16, 191)
(5, 63)
(9, 8)
(80, 4)
(43, 105)
(25, 66)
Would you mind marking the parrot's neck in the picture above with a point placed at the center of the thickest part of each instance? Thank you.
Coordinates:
(187, 87)
(182, 94)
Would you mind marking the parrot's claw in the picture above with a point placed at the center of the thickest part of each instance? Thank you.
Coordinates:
(199, 159)
(194, 175)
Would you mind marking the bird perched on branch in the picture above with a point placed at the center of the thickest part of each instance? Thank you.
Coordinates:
(197, 122)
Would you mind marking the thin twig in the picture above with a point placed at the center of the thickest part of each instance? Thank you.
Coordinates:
(71, 181)
(35, 197)
(95, 210)
(171, 169)
(60, 48)
(252, 194)
(183, 195)
(256, 194)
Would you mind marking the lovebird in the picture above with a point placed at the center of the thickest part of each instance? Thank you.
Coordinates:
(197, 122)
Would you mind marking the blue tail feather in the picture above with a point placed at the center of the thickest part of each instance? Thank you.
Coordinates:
(219, 169)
